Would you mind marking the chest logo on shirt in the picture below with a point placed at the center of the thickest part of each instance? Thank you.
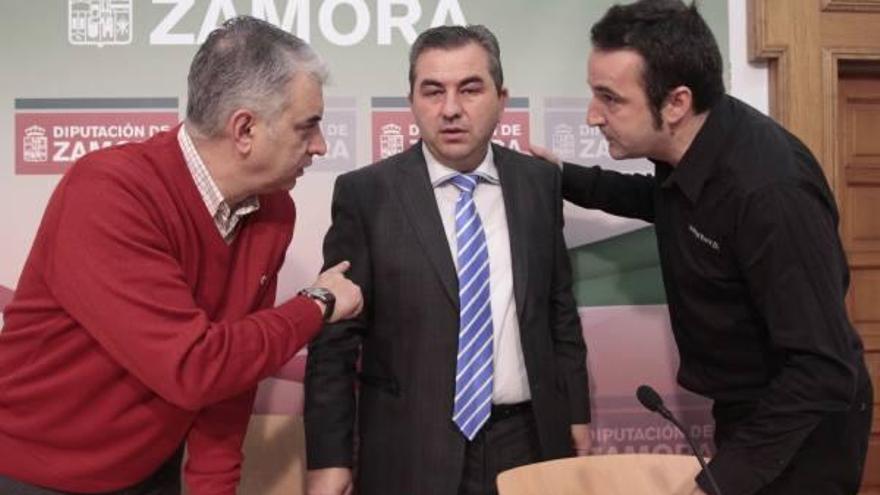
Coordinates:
(712, 243)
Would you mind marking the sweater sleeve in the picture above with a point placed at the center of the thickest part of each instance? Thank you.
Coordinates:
(215, 440)
(112, 268)
(214, 445)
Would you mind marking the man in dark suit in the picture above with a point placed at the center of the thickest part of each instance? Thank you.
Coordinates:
(472, 358)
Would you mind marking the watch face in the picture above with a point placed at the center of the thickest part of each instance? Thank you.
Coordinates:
(323, 294)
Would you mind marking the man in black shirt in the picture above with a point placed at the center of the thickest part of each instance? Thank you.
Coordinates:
(754, 270)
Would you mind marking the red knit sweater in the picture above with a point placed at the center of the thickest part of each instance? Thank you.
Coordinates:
(135, 327)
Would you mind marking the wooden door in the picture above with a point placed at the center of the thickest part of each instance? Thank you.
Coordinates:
(858, 194)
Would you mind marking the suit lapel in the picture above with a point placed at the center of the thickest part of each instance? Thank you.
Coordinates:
(420, 206)
(512, 187)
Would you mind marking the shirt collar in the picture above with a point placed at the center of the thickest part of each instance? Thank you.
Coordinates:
(701, 160)
(225, 216)
(440, 174)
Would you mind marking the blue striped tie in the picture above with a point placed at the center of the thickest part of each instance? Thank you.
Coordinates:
(473, 376)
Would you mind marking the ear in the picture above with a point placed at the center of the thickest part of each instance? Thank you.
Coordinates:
(241, 128)
(679, 103)
(503, 95)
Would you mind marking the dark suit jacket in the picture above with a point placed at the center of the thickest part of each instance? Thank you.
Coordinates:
(386, 222)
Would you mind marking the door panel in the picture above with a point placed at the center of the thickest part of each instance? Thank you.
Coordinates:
(858, 194)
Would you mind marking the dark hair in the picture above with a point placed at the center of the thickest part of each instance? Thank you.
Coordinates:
(448, 37)
(676, 44)
(246, 62)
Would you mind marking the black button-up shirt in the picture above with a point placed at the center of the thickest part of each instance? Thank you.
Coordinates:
(755, 279)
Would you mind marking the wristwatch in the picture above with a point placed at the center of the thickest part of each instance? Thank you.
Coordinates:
(323, 295)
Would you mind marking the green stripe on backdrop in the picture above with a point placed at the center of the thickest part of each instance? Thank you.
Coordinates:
(618, 271)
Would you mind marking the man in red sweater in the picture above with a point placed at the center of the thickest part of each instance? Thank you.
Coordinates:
(144, 315)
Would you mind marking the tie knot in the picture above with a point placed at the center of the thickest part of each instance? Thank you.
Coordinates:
(465, 183)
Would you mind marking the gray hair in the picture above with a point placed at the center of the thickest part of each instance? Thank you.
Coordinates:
(449, 37)
(245, 63)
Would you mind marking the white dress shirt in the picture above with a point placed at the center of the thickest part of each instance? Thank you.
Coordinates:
(510, 382)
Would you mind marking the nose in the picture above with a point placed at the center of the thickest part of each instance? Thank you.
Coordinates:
(451, 105)
(318, 145)
(595, 117)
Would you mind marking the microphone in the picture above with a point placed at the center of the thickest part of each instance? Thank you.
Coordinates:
(651, 400)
